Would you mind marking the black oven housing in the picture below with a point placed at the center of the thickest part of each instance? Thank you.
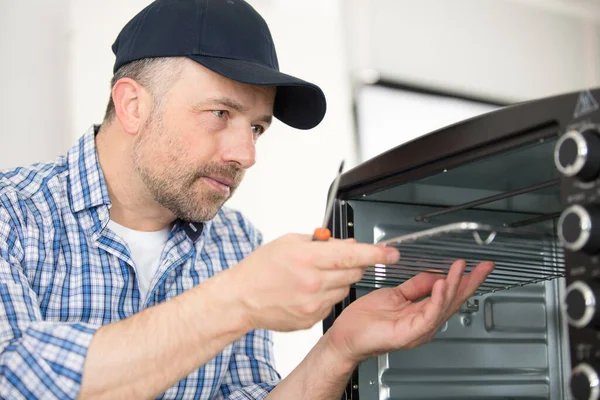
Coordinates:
(505, 168)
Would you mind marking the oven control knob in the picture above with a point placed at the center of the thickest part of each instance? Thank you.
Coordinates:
(581, 307)
(584, 383)
(577, 154)
(579, 228)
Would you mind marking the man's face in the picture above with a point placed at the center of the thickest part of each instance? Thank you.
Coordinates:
(193, 151)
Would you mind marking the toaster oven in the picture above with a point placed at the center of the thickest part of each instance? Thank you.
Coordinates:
(518, 186)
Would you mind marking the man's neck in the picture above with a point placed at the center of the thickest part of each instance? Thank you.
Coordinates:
(131, 204)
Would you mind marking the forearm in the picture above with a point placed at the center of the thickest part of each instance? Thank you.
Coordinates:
(322, 375)
(142, 356)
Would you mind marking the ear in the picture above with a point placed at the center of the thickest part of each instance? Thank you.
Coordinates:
(127, 96)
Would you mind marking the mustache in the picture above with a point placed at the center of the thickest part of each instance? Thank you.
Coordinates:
(229, 172)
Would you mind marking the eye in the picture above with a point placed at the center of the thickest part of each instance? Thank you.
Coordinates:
(258, 130)
(220, 113)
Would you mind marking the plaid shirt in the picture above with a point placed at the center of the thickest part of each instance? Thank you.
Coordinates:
(63, 274)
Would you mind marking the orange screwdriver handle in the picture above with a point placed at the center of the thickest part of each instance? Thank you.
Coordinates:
(321, 234)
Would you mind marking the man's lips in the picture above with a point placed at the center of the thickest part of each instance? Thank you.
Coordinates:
(222, 185)
(222, 181)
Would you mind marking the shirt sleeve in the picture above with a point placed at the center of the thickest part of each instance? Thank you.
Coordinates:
(251, 374)
(38, 359)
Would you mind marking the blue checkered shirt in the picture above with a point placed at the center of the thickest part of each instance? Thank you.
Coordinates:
(63, 274)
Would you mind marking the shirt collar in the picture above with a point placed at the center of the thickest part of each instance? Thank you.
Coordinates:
(87, 186)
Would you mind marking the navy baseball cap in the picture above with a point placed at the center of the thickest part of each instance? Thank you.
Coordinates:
(228, 37)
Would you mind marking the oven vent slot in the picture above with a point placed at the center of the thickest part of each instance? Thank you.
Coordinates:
(521, 257)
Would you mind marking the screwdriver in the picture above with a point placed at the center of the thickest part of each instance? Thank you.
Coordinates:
(322, 233)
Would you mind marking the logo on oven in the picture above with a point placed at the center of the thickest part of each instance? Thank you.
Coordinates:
(585, 104)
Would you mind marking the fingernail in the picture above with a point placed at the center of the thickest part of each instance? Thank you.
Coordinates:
(393, 256)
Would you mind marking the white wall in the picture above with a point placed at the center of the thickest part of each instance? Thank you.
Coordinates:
(34, 112)
(389, 117)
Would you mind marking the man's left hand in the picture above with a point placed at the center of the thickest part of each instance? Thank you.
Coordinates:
(391, 319)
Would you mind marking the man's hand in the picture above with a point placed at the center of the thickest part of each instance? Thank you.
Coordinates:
(391, 318)
(292, 282)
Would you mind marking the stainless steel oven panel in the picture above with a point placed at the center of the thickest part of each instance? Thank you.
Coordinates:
(506, 345)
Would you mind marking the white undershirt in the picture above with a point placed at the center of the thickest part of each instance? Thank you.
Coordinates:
(146, 249)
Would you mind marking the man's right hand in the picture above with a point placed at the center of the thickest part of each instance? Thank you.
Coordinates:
(288, 284)
(292, 282)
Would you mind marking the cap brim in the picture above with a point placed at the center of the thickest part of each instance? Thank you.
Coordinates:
(298, 103)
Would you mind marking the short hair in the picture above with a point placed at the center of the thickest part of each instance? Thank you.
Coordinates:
(156, 75)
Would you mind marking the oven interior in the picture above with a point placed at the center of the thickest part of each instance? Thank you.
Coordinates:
(510, 340)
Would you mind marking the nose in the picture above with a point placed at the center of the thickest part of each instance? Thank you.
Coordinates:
(240, 147)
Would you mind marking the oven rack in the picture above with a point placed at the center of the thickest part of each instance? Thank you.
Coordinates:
(521, 258)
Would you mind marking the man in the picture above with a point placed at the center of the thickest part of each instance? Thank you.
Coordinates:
(123, 277)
